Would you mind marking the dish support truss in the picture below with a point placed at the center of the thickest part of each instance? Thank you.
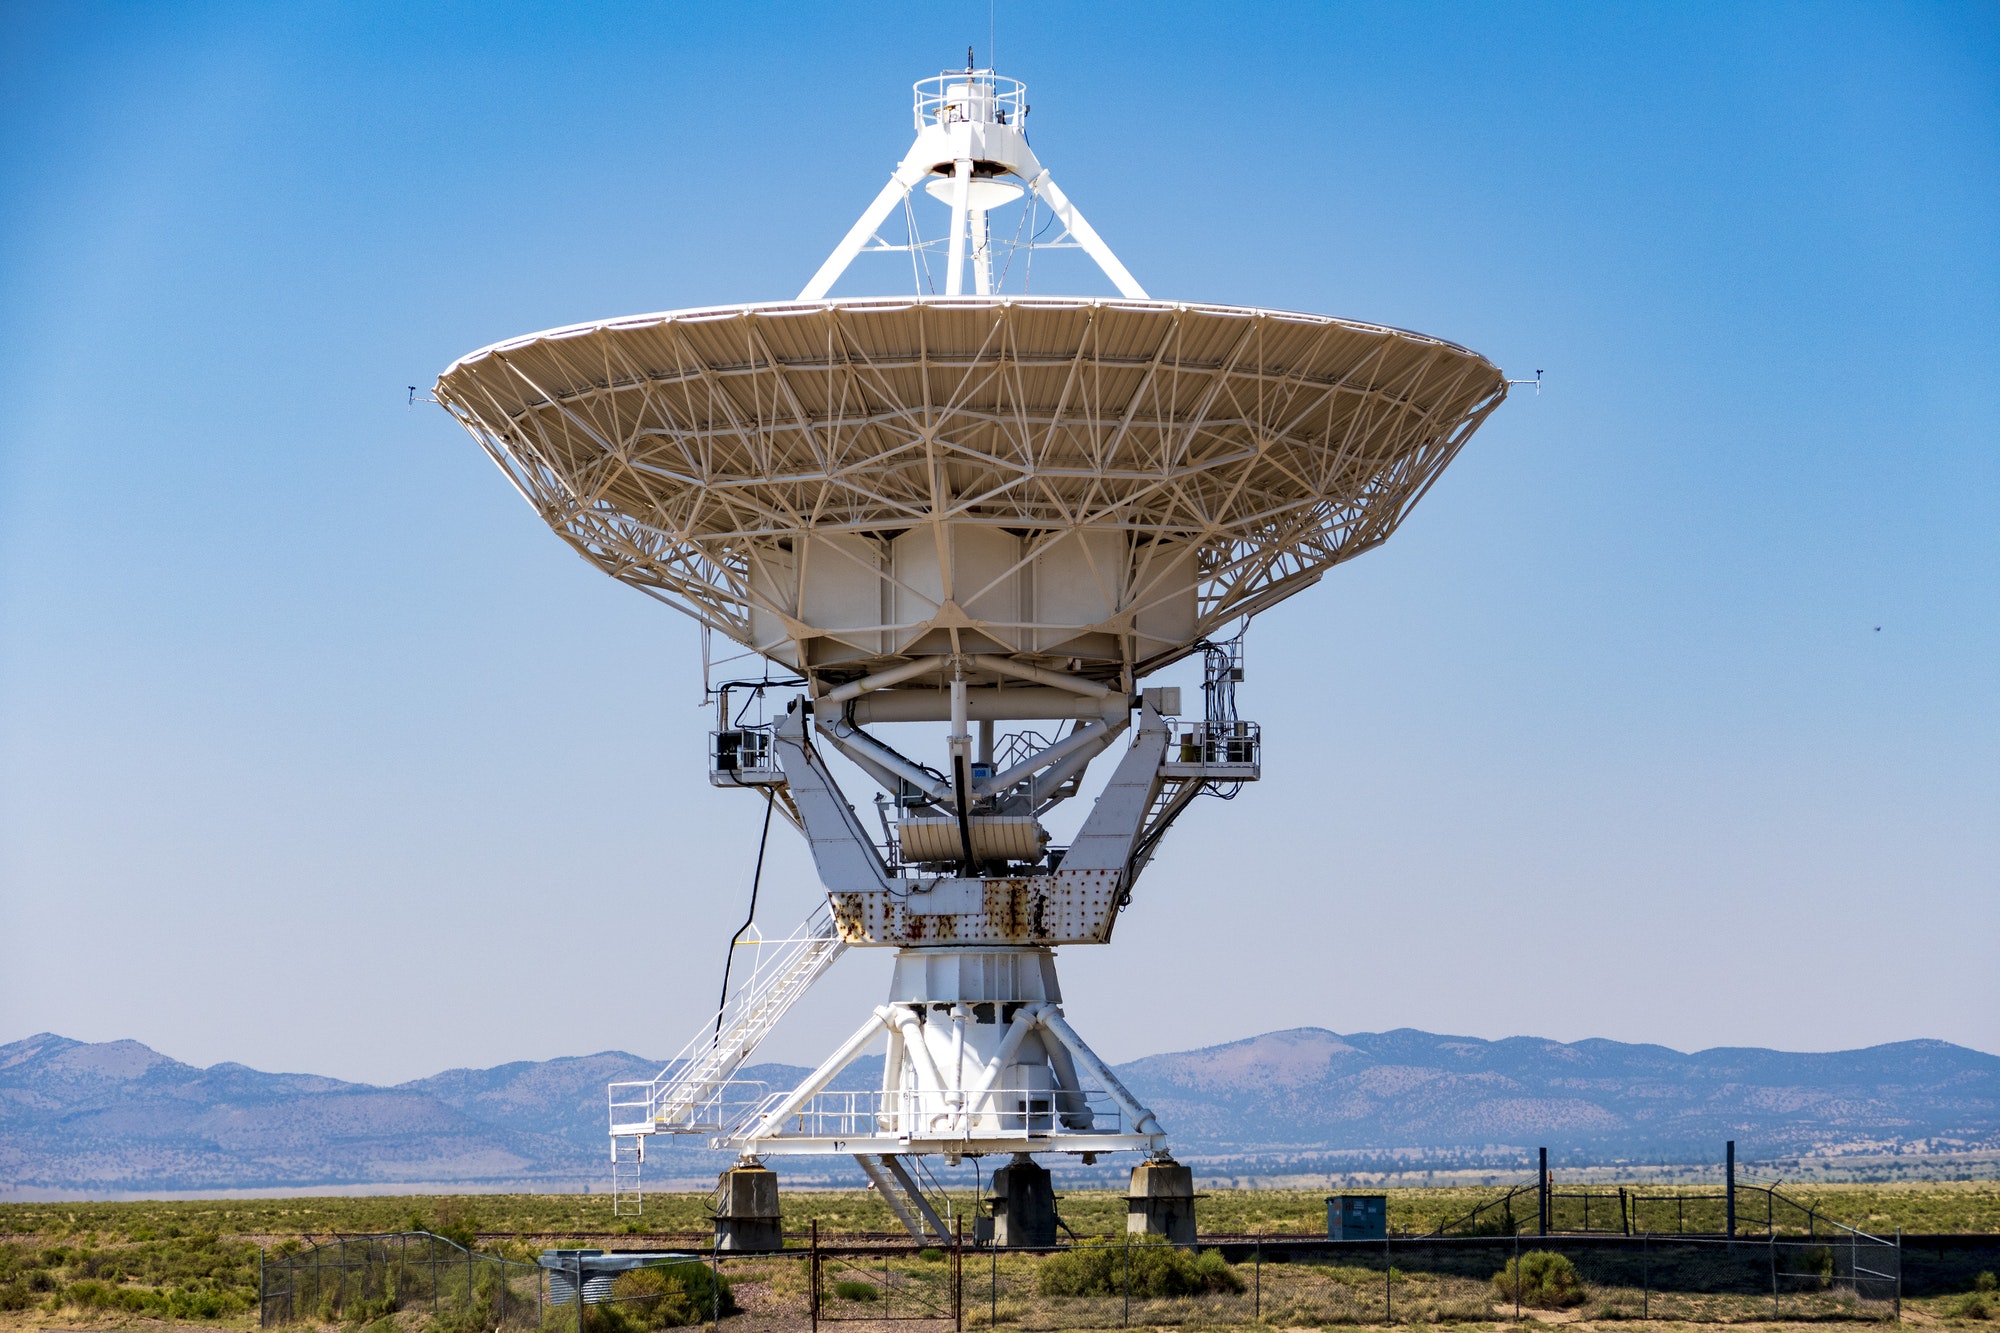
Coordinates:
(971, 138)
(980, 1057)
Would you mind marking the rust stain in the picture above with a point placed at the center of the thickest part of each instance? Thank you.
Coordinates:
(1069, 907)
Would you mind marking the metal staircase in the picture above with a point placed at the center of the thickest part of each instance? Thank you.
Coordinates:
(695, 1093)
(906, 1198)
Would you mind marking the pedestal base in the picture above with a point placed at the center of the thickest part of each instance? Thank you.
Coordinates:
(746, 1211)
(978, 1061)
(1024, 1204)
(1162, 1201)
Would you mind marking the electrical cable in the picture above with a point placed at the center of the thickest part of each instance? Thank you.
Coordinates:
(756, 880)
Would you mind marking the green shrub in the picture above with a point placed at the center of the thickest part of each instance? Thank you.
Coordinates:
(1545, 1280)
(930, 1254)
(89, 1294)
(367, 1311)
(460, 1228)
(1972, 1305)
(1986, 1282)
(857, 1291)
(14, 1296)
(1152, 1269)
(671, 1295)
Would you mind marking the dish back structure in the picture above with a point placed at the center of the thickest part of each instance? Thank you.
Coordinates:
(843, 485)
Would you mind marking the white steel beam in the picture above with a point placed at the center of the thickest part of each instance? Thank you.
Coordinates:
(871, 1166)
(916, 1196)
(961, 187)
(1087, 237)
(1093, 737)
(825, 1074)
(882, 763)
(1112, 828)
(882, 680)
(900, 184)
(842, 853)
(1007, 666)
(1137, 1116)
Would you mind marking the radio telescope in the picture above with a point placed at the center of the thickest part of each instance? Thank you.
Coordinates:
(982, 509)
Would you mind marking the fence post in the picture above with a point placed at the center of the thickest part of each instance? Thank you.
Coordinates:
(1645, 1277)
(993, 1284)
(1773, 1234)
(1899, 1273)
(1542, 1193)
(1125, 1320)
(1517, 1275)
(1388, 1278)
(1257, 1300)
(715, 1281)
(812, 1275)
(958, 1275)
(1729, 1188)
(260, 1286)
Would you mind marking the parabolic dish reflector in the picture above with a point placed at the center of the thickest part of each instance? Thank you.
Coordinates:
(844, 485)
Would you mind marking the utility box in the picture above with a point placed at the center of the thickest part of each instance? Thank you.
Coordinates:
(1357, 1217)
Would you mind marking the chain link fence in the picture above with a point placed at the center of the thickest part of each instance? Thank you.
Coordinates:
(1624, 1210)
(1115, 1282)
(358, 1279)
(1127, 1282)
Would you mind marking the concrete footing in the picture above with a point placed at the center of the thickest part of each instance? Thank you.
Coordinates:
(1024, 1204)
(1162, 1201)
(746, 1209)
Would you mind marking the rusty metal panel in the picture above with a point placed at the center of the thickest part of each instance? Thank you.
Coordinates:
(1068, 907)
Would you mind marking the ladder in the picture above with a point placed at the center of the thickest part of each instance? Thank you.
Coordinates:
(628, 1158)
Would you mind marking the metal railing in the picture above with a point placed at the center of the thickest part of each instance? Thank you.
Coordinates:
(975, 95)
(743, 757)
(931, 1114)
(783, 970)
(723, 1106)
(1230, 751)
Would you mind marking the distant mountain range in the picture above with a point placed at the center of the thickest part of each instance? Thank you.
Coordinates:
(118, 1117)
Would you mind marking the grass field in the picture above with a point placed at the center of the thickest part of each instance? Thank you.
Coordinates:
(82, 1264)
(1939, 1207)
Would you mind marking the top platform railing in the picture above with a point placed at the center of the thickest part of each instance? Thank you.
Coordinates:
(971, 95)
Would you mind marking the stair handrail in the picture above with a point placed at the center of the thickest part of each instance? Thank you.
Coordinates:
(784, 970)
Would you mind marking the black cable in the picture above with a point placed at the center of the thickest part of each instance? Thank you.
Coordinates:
(969, 869)
(756, 879)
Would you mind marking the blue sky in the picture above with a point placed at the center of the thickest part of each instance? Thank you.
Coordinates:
(317, 751)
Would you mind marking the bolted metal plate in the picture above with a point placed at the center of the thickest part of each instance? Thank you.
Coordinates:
(1068, 907)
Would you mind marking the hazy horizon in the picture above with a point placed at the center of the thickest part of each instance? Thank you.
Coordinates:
(762, 1056)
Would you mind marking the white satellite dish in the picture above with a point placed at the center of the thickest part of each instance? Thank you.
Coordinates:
(981, 509)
